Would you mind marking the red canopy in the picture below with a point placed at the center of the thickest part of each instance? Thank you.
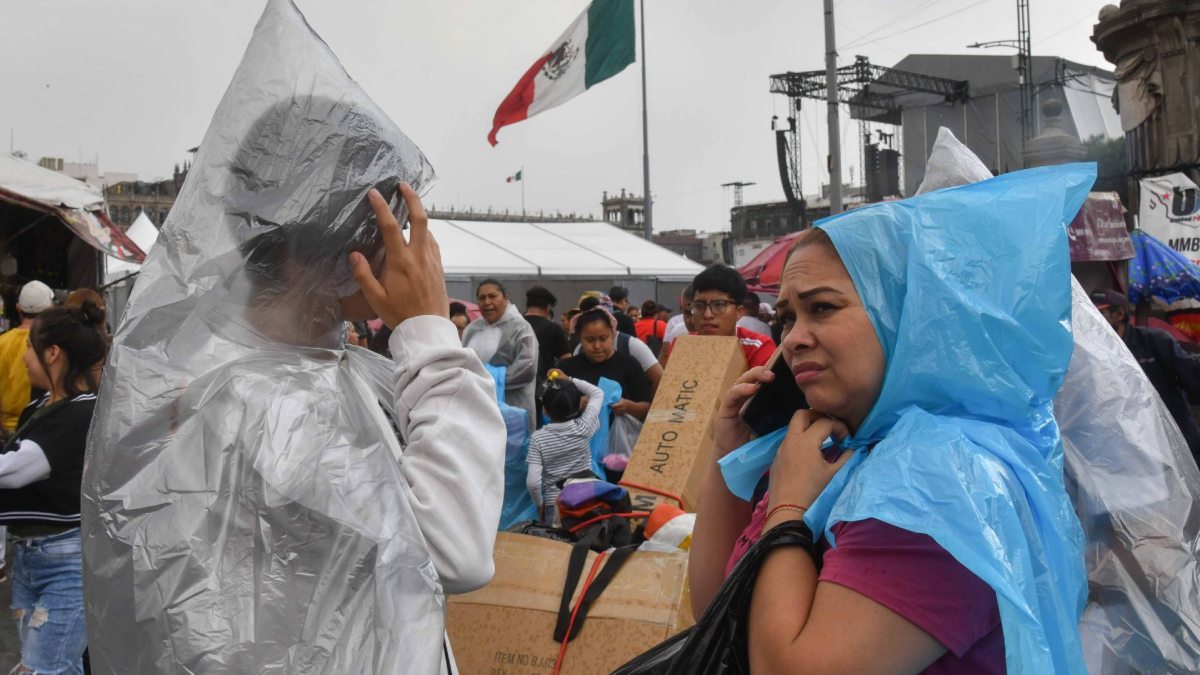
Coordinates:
(764, 270)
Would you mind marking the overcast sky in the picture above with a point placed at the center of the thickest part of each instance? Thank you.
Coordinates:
(135, 82)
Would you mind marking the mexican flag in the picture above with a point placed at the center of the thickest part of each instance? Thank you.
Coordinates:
(514, 178)
(598, 45)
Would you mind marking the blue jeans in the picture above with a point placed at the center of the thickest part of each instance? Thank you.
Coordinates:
(47, 603)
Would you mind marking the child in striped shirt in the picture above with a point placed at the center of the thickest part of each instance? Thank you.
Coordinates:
(560, 449)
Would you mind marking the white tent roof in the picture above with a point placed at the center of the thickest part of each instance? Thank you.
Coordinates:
(475, 248)
(48, 187)
(585, 250)
(144, 234)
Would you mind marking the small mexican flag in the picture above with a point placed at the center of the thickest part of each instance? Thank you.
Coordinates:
(597, 46)
(514, 178)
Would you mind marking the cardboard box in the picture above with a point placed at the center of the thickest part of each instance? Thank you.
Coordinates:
(507, 627)
(672, 454)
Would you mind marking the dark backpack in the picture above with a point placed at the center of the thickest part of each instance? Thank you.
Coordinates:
(654, 342)
(623, 343)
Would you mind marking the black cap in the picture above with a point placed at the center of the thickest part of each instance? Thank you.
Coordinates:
(1109, 298)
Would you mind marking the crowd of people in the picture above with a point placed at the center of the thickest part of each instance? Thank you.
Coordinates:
(51, 362)
(297, 444)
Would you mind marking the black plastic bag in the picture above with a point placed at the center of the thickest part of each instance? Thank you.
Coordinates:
(718, 643)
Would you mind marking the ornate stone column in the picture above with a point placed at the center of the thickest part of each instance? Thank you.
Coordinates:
(1155, 45)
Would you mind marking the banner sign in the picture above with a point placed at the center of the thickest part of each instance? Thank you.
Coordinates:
(1170, 212)
(1098, 232)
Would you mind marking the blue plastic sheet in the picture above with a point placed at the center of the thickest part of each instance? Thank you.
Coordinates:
(743, 468)
(599, 442)
(518, 506)
(969, 291)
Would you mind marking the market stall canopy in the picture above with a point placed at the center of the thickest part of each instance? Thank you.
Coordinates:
(764, 270)
(144, 234)
(78, 205)
(577, 249)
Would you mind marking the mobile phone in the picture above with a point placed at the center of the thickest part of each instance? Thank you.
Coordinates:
(772, 407)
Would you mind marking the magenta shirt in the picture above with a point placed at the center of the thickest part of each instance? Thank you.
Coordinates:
(911, 575)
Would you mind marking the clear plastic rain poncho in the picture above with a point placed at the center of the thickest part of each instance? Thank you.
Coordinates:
(511, 344)
(244, 510)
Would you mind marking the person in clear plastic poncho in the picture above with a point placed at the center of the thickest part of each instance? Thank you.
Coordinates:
(247, 505)
(502, 337)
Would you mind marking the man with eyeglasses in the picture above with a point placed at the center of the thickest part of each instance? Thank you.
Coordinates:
(717, 296)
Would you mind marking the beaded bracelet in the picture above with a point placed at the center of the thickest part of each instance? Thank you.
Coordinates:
(785, 507)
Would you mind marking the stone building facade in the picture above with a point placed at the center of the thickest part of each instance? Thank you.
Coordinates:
(129, 198)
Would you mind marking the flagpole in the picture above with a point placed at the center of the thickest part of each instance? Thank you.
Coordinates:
(647, 220)
(831, 96)
(522, 192)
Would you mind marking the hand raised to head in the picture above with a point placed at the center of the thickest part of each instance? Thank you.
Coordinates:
(412, 282)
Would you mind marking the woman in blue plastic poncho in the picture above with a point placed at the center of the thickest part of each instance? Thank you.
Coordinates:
(930, 336)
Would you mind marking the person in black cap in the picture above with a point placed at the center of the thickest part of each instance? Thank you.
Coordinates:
(1170, 369)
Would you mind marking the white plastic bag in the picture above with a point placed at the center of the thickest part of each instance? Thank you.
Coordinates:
(622, 437)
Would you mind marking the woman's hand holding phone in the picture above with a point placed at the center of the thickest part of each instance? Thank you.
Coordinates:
(801, 471)
(730, 432)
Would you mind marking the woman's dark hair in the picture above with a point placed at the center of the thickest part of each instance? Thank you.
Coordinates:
(590, 317)
(491, 282)
(457, 308)
(73, 330)
(77, 297)
(649, 307)
(561, 400)
(588, 304)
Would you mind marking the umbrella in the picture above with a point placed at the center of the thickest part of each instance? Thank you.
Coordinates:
(1160, 271)
(765, 269)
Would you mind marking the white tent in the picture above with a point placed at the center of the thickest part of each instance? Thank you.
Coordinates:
(556, 250)
(48, 187)
(566, 258)
(78, 205)
(144, 234)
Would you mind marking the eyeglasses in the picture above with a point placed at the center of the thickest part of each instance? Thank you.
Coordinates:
(718, 307)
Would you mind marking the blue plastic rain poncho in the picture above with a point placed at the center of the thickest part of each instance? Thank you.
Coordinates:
(599, 443)
(969, 291)
(518, 506)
